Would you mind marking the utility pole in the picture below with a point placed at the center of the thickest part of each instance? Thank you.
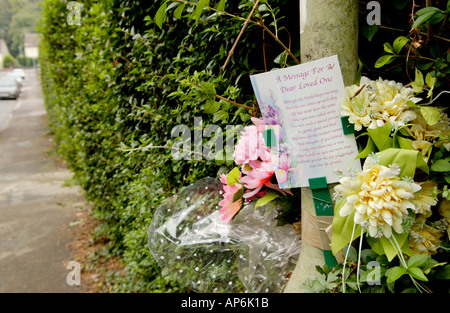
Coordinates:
(327, 27)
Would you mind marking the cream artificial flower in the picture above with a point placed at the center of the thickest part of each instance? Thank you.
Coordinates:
(378, 102)
(425, 198)
(425, 134)
(424, 239)
(356, 107)
(378, 197)
(444, 211)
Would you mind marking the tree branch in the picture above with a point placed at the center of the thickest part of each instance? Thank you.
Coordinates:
(239, 36)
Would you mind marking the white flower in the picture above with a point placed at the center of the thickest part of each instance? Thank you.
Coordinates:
(378, 197)
(377, 103)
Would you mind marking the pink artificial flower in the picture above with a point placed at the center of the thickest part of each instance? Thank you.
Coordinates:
(229, 208)
(257, 121)
(257, 177)
(284, 165)
(258, 195)
(251, 147)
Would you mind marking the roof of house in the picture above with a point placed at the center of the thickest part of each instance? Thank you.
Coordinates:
(31, 40)
(3, 47)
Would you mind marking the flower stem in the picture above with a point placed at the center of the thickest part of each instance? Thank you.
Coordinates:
(359, 259)
(345, 259)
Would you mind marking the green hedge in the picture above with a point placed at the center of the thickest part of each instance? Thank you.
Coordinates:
(117, 81)
(9, 61)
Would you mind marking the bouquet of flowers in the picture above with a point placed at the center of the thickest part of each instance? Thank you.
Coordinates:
(398, 205)
(259, 172)
(400, 200)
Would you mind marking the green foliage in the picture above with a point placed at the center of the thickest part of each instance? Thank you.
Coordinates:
(9, 61)
(407, 45)
(376, 274)
(119, 83)
(16, 18)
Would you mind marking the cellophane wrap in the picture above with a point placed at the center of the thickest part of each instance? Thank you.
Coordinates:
(193, 246)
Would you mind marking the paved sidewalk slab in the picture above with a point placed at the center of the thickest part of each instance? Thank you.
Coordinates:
(35, 208)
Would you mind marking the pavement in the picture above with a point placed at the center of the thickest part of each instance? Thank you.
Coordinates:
(36, 209)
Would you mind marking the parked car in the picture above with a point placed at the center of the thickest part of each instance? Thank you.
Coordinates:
(19, 72)
(9, 87)
(17, 76)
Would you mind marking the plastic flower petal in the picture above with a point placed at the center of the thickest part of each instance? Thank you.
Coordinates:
(251, 146)
(257, 177)
(378, 197)
(229, 208)
(284, 165)
(372, 104)
(425, 239)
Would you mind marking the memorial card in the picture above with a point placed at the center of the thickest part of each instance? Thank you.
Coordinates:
(305, 101)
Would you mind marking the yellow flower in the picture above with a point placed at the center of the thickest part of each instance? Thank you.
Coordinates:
(424, 199)
(444, 211)
(424, 239)
(378, 103)
(356, 107)
(425, 134)
(423, 146)
(378, 197)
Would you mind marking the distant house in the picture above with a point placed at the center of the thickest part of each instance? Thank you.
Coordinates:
(3, 51)
(31, 45)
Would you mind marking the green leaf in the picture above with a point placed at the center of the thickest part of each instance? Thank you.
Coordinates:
(388, 48)
(400, 4)
(388, 248)
(417, 273)
(440, 166)
(419, 82)
(436, 18)
(399, 43)
(395, 273)
(352, 254)
(342, 229)
(369, 31)
(201, 4)
(431, 115)
(430, 80)
(238, 195)
(370, 148)
(208, 88)
(268, 197)
(385, 59)
(159, 16)
(281, 58)
(358, 73)
(381, 136)
(221, 115)
(221, 5)
(444, 273)
(404, 143)
(179, 11)
(233, 176)
(427, 10)
(417, 260)
(407, 160)
(424, 15)
(211, 106)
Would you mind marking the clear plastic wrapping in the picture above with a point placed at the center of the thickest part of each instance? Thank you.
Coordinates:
(195, 247)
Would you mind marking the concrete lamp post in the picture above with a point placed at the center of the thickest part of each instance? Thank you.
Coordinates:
(327, 27)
